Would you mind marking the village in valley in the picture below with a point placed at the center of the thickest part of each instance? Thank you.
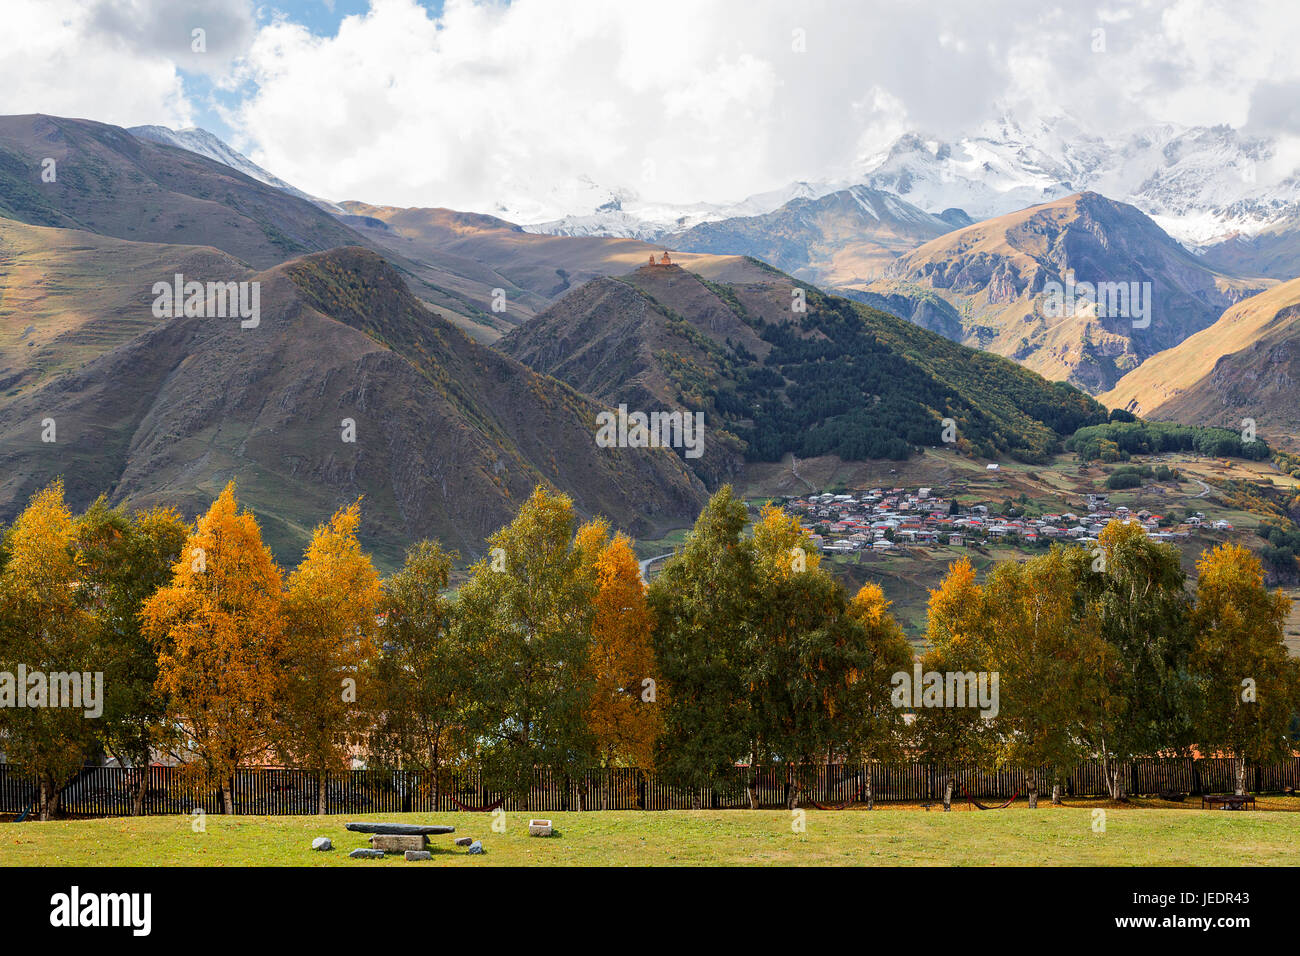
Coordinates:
(901, 524)
(885, 519)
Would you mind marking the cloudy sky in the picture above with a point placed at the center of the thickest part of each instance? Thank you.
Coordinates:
(461, 102)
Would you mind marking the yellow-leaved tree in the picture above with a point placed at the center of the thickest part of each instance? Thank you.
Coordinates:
(808, 661)
(1249, 685)
(953, 737)
(882, 730)
(1047, 649)
(48, 636)
(218, 627)
(330, 611)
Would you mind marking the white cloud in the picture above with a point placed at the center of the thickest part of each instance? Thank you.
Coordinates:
(200, 36)
(55, 58)
(492, 100)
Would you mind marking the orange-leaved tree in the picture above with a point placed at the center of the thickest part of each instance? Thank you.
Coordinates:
(218, 626)
(624, 714)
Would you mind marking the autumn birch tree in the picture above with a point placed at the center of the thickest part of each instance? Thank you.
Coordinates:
(807, 657)
(1137, 592)
(954, 737)
(47, 627)
(218, 627)
(330, 610)
(1048, 654)
(624, 713)
(1250, 686)
(881, 729)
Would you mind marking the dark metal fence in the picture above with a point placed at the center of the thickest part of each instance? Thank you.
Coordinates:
(113, 791)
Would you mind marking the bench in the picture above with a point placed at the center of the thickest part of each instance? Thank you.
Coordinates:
(1227, 801)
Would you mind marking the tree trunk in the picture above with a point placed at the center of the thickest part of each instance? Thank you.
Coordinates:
(947, 794)
(1056, 793)
(227, 799)
(322, 783)
(1116, 780)
(1031, 782)
(1106, 768)
(44, 813)
(137, 803)
(871, 794)
(1241, 776)
(697, 799)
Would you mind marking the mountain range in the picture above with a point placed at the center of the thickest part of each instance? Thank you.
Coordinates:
(471, 356)
(449, 436)
(1202, 185)
(450, 433)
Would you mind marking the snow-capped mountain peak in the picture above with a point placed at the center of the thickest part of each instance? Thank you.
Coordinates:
(207, 144)
(1200, 184)
(624, 213)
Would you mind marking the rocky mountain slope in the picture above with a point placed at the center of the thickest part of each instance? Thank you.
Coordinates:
(836, 378)
(846, 238)
(1000, 275)
(204, 143)
(115, 184)
(1245, 365)
(450, 436)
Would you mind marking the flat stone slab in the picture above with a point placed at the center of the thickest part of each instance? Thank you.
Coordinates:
(400, 829)
(399, 843)
(362, 853)
(464, 841)
(413, 856)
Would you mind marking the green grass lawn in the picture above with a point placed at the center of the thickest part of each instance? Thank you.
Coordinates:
(1145, 834)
